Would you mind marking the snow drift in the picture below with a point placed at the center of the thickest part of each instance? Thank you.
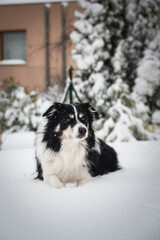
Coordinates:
(118, 206)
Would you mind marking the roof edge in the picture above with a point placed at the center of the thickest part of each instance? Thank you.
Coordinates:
(22, 2)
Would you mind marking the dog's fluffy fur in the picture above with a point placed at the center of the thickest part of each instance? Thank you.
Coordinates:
(67, 149)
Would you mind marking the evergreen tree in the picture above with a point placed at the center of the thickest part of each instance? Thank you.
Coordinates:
(122, 121)
(142, 25)
(103, 28)
(110, 38)
(147, 83)
(98, 30)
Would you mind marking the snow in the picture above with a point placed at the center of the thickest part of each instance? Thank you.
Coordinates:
(156, 117)
(18, 140)
(124, 127)
(80, 63)
(13, 62)
(83, 26)
(97, 44)
(118, 59)
(119, 40)
(118, 206)
(76, 37)
(99, 66)
(98, 84)
(148, 72)
(21, 110)
(96, 9)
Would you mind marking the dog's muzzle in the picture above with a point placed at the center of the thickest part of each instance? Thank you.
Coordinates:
(82, 132)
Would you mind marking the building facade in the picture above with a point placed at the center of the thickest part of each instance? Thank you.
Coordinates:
(35, 48)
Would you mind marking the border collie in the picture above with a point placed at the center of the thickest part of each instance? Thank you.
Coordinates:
(67, 149)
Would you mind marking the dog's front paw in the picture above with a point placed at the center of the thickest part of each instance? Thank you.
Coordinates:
(54, 182)
(81, 182)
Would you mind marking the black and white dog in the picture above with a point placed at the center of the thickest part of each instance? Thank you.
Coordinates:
(67, 149)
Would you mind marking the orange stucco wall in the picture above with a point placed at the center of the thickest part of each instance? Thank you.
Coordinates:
(31, 18)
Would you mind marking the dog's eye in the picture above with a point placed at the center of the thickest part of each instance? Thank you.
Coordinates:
(81, 115)
(71, 116)
(83, 119)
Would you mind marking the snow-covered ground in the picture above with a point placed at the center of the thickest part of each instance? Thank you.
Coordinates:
(124, 205)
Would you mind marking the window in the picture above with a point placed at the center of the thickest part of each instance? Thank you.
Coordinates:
(13, 45)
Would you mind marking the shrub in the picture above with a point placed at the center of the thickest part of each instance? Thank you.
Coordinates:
(20, 110)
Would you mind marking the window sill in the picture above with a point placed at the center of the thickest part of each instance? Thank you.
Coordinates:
(13, 62)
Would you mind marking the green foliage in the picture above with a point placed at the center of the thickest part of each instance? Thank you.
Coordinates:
(9, 85)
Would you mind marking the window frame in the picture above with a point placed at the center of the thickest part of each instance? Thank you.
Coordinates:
(2, 45)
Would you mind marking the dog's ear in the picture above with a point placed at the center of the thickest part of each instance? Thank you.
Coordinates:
(51, 110)
(92, 110)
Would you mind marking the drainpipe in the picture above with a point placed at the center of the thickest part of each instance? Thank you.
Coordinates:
(47, 7)
(63, 23)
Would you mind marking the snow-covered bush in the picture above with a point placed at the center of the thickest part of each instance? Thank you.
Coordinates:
(97, 33)
(147, 83)
(122, 122)
(110, 38)
(109, 30)
(141, 27)
(21, 110)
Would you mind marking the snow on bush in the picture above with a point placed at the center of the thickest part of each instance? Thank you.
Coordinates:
(110, 40)
(156, 117)
(21, 110)
(122, 122)
(147, 83)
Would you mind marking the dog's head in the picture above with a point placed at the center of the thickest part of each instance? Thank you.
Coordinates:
(70, 121)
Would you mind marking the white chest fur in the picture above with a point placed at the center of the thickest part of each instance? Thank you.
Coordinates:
(71, 160)
(68, 164)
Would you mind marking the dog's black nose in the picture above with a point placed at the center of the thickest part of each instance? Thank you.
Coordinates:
(82, 131)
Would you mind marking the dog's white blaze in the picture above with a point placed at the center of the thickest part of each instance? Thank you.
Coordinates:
(76, 114)
(77, 126)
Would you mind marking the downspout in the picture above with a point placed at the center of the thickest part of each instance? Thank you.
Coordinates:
(63, 22)
(47, 7)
